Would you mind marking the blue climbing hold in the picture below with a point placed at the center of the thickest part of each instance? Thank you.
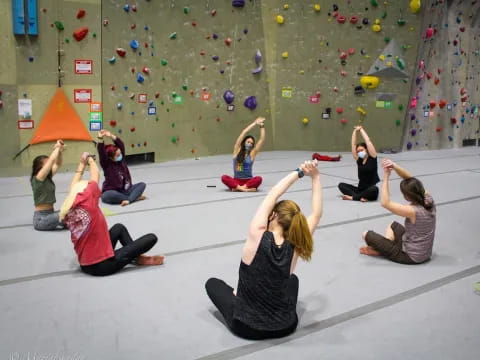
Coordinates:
(134, 44)
(140, 78)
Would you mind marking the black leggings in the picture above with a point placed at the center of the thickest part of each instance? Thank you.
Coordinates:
(370, 193)
(223, 298)
(129, 251)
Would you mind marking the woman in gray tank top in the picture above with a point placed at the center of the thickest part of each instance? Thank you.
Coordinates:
(264, 305)
(412, 243)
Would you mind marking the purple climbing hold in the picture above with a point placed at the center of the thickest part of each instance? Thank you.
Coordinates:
(409, 145)
(238, 3)
(413, 132)
(134, 44)
(215, 36)
(245, 31)
(251, 102)
(258, 57)
(412, 117)
(215, 58)
(258, 70)
(228, 96)
(450, 137)
(222, 71)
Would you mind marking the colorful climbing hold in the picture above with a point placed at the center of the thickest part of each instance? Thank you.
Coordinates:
(163, 62)
(280, 19)
(59, 25)
(250, 102)
(305, 121)
(361, 110)
(415, 6)
(80, 33)
(316, 7)
(80, 13)
(369, 82)
(285, 55)
(173, 36)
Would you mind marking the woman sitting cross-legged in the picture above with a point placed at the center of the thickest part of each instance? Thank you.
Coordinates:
(264, 305)
(412, 243)
(117, 187)
(92, 241)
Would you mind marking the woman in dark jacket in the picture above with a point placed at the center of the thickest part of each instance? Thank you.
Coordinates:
(117, 187)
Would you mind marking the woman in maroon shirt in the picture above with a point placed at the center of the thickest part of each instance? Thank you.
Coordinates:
(93, 242)
(117, 187)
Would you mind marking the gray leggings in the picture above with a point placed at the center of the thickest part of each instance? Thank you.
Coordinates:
(132, 194)
(47, 220)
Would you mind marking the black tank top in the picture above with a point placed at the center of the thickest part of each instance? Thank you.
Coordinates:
(262, 301)
(367, 174)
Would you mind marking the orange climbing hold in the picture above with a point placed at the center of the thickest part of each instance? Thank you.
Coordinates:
(80, 33)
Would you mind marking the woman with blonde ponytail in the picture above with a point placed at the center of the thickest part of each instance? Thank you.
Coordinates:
(412, 243)
(93, 242)
(264, 305)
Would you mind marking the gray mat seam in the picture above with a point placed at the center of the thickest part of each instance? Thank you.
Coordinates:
(220, 245)
(343, 317)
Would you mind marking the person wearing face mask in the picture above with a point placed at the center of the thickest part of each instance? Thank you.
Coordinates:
(365, 155)
(244, 152)
(264, 304)
(117, 187)
(43, 169)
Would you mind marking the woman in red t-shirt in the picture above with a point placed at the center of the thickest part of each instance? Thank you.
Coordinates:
(93, 242)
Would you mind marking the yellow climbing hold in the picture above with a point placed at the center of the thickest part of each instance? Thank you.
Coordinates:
(316, 7)
(286, 6)
(389, 63)
(377, 21)
(302, 72)
(415, 6)
(376, 28)
(280, 19)
(369, 82)
(382, 57)
(305, 121)
(361, 110)
(285, 54)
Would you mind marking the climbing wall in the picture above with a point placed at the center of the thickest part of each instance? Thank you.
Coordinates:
(166, 67)
(444, 104)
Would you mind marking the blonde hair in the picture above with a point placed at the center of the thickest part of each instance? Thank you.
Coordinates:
(295, 227)
(78, 187)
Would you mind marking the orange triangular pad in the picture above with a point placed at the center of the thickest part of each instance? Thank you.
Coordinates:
(60, 121)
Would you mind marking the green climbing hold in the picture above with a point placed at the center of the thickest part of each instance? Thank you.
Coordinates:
(377, 67)
(374, 3)
(400, 107)
(401, 63)
(174, 94)
(156, 119)
(67, 40)
(163, 78)
(173, 35)
(401, 22)
(186, 10)
(173, 139)
(397, 122)
(59, 25)
(384, 15)
(387, 39)
(172, 125)
(164, 63)
(162, 102)
(168, 110)
(184, 87)
(405, 81)
(94, 35)
(404, 46)
(151, 46)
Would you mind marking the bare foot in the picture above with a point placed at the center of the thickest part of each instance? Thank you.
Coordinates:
(241, 188)
(363, 200)
(250, 189)
(368, 250)
(150, 260)
(124, 203)
(141, 197)
(346, 197)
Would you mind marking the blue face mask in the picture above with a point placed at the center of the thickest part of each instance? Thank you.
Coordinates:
(362, 154)
(119, 158)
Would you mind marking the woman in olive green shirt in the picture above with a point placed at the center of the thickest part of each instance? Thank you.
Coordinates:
(43, 169)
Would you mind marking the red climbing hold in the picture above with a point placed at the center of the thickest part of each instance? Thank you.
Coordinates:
(81, 13)
(341, 19)
(113, 123)
(436, 81)
(194, 23)
(339, 110)
(80, 33)
(429, 75)
(453, 120)
(121, 52)
(343, 121)
(438, 129)
(146, 70)
(442, 103)
(462, 29)
(213, 12)
(132, 129)
(429, 33)
(228, 41)
(157, 95)
(351, 51)
(353, 19)
(343, 55)
(433, 103)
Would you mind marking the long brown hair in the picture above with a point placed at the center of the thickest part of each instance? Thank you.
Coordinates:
(37, 166)
(243, 152)
(295, 227)
(413, 191)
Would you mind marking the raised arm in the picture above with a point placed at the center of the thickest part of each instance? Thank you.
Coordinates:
(86, 159)
(102, 154)
(52, 159)
(317, 208)
(58, 163)
(354, 142)
(371, 149)
(406, 211)
(260, 122)
(238, 142)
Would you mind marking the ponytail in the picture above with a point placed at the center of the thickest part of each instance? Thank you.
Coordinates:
(413, 190)
(300, 237)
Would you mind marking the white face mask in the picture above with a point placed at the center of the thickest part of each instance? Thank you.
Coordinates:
(362, 154)
(248, 147)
